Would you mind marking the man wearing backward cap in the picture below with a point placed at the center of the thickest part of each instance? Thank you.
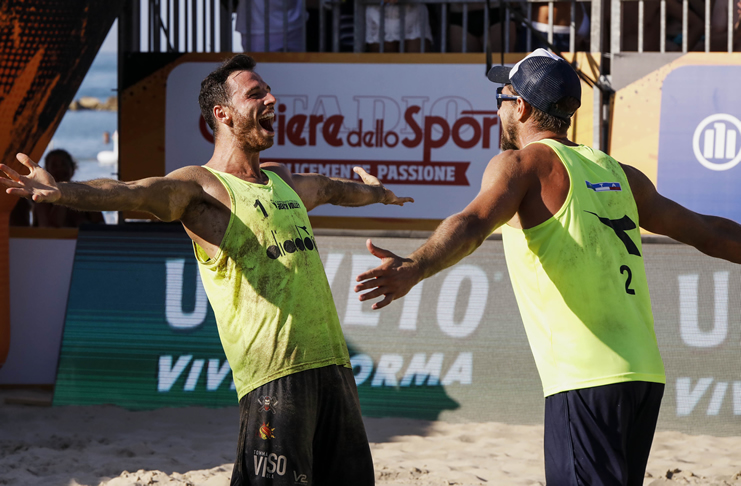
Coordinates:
(570, 219)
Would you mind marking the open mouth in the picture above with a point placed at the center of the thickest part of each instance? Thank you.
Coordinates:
(266, 122)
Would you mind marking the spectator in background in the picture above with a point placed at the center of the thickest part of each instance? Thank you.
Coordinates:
(652, 26)
(561, 30)
(62, 167)
(719, 26)
(415, 20)
(475, 35)
(253, 36)
(21, 213)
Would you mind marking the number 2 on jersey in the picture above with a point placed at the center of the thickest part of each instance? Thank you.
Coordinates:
(623, 269)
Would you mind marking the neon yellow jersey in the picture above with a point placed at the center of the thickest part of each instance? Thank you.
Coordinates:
(267, 287)
(580, 281)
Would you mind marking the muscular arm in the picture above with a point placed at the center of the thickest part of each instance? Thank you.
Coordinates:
(712, 235)
(167, 198)
(316, 189)
(503, 188)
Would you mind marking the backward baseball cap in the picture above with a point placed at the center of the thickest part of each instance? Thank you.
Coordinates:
(542, 79)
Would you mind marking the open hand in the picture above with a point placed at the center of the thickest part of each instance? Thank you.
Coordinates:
(393, 279)
(389, 197)
(38, 185)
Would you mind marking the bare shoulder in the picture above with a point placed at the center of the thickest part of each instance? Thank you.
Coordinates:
(640, 185)
(194, 173)
(511, 164)
(281, 170)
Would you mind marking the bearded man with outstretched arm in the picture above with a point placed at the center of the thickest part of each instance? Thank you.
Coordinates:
(300, 415)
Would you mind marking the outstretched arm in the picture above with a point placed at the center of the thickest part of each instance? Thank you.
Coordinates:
(712, 235)
(167, 198)
(502, 189)
(315, 189)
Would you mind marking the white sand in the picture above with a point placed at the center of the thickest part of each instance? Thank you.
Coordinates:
(106, 445)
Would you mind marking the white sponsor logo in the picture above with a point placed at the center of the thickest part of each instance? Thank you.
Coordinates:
(270, 465)
(716, 142)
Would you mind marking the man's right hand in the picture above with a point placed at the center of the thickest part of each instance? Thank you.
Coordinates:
(38, 185)
(393, 279)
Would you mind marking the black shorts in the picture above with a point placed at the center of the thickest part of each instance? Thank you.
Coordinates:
(303, 429)
(601, 435)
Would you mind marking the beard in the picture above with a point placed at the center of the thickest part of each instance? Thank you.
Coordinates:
(509, 136)
(249, 134)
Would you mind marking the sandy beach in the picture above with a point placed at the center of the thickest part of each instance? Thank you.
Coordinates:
(107, 445)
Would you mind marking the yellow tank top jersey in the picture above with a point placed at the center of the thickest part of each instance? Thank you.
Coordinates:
(580, 281)
(273, 305)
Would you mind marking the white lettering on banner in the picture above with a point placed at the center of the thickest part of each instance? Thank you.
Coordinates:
(169, 374)
(410, 309)
(354, 314)
(420, 370)
(461, 371)
(688, 398)
(215, 374)
(717, 399)
(388, 366)
(174, 298)
(364, 363)
(195, 373)
(689, 323)
(476, 301)
(334, 260)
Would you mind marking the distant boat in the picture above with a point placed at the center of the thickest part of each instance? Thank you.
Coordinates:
(110, 157)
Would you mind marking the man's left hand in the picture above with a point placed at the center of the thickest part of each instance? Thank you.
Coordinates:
(389, 197)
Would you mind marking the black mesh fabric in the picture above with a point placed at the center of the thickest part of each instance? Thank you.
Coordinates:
(543, 82)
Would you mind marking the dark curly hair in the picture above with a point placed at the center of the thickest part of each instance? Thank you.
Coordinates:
(213, 88)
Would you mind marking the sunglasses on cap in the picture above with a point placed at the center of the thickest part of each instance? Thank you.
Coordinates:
(504, 97)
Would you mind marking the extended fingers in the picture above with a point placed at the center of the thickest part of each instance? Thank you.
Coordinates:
(17, 191)
(401, 200)
(370, 274)
(366, 177)
(383, 303)
(370, 283)
(10, 172)
(26, 160)
(371, 295)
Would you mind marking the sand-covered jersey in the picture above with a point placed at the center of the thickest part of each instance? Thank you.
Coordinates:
(580, 281)
(267, 287)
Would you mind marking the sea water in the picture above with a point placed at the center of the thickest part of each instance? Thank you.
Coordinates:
(81, 133)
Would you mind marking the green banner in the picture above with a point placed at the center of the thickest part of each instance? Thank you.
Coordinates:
(139, 333)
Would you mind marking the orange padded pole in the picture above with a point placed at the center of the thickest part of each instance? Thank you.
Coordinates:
(48, 48)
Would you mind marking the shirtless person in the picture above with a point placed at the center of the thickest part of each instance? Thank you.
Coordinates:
(569, 216)
(300, 416)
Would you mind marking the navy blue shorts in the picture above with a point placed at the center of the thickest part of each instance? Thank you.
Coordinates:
(601, 435)
(303, 429)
